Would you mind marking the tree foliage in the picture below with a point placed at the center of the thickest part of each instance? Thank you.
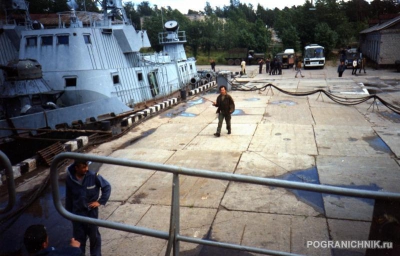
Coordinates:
(331, 23)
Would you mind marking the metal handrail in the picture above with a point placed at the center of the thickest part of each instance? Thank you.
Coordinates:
(10, 182)
(173, 236)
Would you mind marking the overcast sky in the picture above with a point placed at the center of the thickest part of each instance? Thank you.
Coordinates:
(198, 5)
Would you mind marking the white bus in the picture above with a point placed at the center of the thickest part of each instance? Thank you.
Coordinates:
(314, 56)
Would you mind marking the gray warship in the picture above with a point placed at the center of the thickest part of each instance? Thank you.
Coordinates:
(86, 69)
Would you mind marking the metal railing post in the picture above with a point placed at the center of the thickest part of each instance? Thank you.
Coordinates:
(175, 210)
(173, 242)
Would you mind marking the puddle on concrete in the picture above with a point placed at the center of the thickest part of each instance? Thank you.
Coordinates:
(378, 144)
(313, 199)
(391, 116)
(196, 101)
(178, 112)
(252, 99)
(137, 198)
(283, 102)
(238, 112)
(371, 187)
(186, 114)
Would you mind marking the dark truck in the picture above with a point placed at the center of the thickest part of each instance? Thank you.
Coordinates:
(236, 55)
(286, 58)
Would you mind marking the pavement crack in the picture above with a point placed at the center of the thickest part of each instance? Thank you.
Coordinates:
(242, 236)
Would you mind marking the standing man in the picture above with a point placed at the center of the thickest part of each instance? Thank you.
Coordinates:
(83, 198)
(226, 106)
(212, 62)
(260, 66)
(267, 66)
(355, 63)
(341, 68)
(298, 69)
(362, 65)
(243, 66)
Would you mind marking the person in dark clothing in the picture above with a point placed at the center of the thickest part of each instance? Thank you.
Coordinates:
(273, 67)
(36, 243)
(342, 55)
(267, 66)
(212, 62)
(226, 106)
(341, 68)
(279, 67)
(362, 64)
(260, 66)
(83, 198)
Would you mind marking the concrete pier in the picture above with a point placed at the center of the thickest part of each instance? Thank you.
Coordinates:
(307, 139)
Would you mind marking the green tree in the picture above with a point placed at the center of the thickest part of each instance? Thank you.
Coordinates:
(132, 14)
(290, 38)
(88, 5)
(208, 9)
(326, 37)
(47, 6)
(144, 9)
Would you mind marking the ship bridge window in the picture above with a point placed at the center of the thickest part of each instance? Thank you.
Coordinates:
(47, 40)
(140, 76)
(115, 78)
(87, 39)
(152, 76)
(31, 41)
(63, 39)
(70, 81)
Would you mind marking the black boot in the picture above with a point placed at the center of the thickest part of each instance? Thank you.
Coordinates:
(229, 131)
(216, 134)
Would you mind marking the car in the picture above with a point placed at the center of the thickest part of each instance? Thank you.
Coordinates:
(351, 55)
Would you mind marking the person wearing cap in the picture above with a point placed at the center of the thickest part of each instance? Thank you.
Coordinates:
(83, 198)
(36, 243)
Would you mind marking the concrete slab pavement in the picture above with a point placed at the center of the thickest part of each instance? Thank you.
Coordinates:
(306, 139)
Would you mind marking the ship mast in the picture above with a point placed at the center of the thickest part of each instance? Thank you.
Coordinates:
(113, 9)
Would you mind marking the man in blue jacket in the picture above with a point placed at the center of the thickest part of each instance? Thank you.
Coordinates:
(83, 198)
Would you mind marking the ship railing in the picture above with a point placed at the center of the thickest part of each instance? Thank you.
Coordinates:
(172, 37)
(8, 171)
(81, 19)
(173, 236)
(13, 22)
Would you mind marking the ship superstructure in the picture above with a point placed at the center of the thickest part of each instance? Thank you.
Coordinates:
(94, 60)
